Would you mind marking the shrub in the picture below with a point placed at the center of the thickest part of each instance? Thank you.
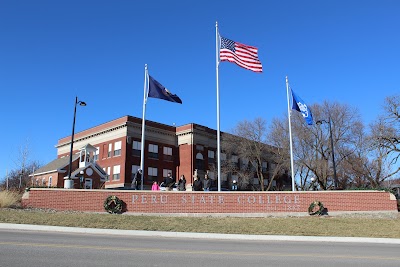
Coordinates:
(9, 199)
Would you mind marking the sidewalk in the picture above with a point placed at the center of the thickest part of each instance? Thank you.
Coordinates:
(77, 230)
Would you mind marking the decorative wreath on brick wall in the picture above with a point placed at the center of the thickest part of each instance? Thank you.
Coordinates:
(113, 205)
(316, 208)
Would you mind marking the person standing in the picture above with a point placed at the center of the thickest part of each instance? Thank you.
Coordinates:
(182, 183)
(206, 183)
(136, 178)
(155, 186)
(197, 185)
(169, 182)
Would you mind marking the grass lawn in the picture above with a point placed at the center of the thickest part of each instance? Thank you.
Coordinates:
(383, 226)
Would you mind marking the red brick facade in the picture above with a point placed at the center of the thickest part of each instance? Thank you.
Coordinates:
(240, 203)
(186, 142)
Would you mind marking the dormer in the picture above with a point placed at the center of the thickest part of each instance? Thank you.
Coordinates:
(86, 155)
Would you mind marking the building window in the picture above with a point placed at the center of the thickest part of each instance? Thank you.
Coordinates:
(211, 157)
(168, 153)
(272, 167)
(264, 166)
(235, 160)
(109, 150)
(244, 164)
(153, 151)
(165, 172)
(199, 147)
(136, 148)
(199, 161)
(96, 154)
(152, 173)
(223, 156)
(117, 148)
(224, 177)
(108, 173)
(50, 181)
(116, 172)
(253, 165)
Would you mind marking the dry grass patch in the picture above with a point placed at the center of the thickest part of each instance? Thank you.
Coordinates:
(356, 226)
(9, 199)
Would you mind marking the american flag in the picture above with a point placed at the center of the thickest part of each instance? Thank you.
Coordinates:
(243, 55)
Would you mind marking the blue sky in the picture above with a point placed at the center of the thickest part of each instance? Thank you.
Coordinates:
(52, 51)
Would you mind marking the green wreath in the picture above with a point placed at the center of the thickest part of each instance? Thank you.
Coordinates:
(312, 210)
(113, 205)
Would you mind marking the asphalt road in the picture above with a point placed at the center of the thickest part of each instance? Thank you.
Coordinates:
(41, 248)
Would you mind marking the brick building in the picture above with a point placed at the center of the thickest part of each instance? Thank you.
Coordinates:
(117, 147)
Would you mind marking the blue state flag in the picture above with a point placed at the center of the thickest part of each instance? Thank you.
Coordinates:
(156, 90)
(299, 105)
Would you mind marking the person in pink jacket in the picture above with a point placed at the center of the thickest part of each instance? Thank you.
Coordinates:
(155, 186)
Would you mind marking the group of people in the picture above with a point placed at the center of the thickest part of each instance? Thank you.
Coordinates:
(204, 185)
(169, 183)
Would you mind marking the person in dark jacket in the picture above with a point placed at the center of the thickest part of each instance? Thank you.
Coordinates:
(182, 183)
(136, 179)
(197, 185)
(206, 183)
(169, 182)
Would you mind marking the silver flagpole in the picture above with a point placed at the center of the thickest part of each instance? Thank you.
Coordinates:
(146, 74)
(290, 133)
(218, 123)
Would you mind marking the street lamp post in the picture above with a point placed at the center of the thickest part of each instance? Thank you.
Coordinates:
(81, 103)
(81, 179)
(336, 184)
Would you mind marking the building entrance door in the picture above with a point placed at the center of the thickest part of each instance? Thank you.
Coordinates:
(88, 183)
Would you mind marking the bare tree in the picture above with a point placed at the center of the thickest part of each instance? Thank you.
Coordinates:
(374, 159)
(381, 161)
(387, 129)
(18, 178)
(248, 141)
(361, 159)
(312, 150)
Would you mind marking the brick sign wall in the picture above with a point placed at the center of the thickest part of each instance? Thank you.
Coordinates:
(211, 202)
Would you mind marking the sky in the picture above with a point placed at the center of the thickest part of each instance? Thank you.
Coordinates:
(344, 51)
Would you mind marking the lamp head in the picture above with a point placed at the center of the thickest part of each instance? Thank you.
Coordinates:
(81, 103)
(319, 122)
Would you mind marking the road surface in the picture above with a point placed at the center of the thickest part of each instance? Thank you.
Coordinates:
(37, 248)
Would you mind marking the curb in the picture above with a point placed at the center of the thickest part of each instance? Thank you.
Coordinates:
(60, 229)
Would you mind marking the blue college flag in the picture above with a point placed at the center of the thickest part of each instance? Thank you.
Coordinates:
(156, 90)
(299, 105)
